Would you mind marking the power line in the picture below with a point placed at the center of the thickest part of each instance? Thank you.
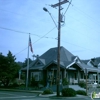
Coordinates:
(80, 47)
(22, 32)
(36, 40)
(85, 14)
(87, 26)
(40, 37)
(81, 33)
(51, 38)
(61, 41)
(15, 13)
(13, 30)
(68, 7)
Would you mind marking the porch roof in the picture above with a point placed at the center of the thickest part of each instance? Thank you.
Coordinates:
(36, 68)
(84, 66)
(89, 68)
(54, 62)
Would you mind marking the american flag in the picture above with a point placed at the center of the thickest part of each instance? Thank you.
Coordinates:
(30, 44)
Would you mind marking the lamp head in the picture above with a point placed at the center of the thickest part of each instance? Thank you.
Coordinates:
(45, 9)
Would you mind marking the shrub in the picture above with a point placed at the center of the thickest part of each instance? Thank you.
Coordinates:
(65, 82)
(47, 91)
(81, 92)
(98, 86)
(68, 92)
(82, 84)
(93, 95)
(42, 82)
(33, 83)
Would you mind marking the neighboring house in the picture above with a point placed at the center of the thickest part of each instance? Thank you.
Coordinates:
(71, 67)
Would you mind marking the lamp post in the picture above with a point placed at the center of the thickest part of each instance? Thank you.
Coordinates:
(46, 10)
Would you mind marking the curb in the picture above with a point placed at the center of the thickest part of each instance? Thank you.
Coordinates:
(54, 96)
(15, 90)
(47, 95)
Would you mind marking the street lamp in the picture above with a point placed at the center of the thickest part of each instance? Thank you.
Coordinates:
(46, 10)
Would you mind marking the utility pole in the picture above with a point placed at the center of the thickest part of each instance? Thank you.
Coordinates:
(58, 54)
(58, 57)
(86, 74)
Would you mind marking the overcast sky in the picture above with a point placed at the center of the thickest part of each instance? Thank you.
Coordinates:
(79, 34)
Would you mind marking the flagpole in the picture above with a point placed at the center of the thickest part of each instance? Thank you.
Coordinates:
(27, 65)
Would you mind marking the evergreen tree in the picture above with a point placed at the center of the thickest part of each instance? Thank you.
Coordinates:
(8, 68)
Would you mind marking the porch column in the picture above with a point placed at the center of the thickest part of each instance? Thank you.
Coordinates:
(67, 76)
(19, 74)
(64, 73)
(47, 73)
(98, 77)
(78, 76)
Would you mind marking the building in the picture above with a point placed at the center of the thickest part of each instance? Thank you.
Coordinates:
(71, 67)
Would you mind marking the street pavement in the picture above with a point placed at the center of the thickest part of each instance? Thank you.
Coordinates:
(9, 95)
(34, 95)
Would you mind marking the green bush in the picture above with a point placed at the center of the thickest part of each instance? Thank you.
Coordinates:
(81, 92)
(82, 84)
(68, 92)
(42, 82)
(93, 95)
(98, 86)
(33, 83)
(13, 85)
(65, 82)
(47, 91)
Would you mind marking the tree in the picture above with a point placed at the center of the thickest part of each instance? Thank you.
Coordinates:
(8, 68)
(25, 62)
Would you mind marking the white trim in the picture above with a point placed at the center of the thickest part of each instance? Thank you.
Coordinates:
(89, 63)
(75, 59)
(70, 64)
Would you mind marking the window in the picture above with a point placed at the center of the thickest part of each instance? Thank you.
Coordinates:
(35, 75)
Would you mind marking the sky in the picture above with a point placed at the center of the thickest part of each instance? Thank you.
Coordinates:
(80, 32)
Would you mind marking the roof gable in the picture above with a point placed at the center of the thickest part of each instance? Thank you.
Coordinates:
(65, 55)
(39, 62)
(51, 55)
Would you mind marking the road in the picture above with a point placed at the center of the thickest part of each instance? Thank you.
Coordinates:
(8, 95)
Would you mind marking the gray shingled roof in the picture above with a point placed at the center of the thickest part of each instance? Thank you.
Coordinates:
(66, 58)
(89, 68)
(51, 55)
(94, 61)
